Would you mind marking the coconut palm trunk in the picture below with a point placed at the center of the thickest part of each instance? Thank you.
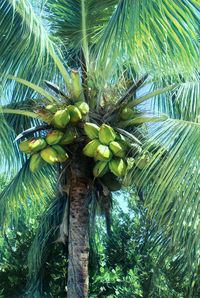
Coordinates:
(78, 241)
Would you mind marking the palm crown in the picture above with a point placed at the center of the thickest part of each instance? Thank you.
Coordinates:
(109, 57)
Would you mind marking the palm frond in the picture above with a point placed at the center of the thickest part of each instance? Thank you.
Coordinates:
(11, 125)
(32, 86)
(149, 95)
(9, 153)
(182, 102)
(42, 245)
(24, 37)
(159, 239)
(174, 160)
(25, 190)
(66, 20)
(152, 36)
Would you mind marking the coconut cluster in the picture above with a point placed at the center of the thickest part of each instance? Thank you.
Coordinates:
(52, 148)
(107, 148)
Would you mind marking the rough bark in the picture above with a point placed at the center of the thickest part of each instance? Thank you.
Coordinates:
(78, 242)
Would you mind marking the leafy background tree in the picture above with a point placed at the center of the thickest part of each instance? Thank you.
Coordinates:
(113, 43)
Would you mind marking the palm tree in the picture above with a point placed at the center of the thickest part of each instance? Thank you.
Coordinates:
(113, 56)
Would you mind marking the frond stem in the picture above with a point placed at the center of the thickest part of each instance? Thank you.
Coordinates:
(185, 121)
(61, 68)
(150, 95)
(19, 112)
(84, 32)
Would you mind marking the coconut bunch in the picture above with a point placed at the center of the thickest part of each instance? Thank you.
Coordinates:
(109, 149)
(52, 148)
(62, 116)
(41, 152)
(69, 121)
(48, 149)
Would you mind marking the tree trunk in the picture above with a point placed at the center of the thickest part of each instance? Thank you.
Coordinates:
(78, 240)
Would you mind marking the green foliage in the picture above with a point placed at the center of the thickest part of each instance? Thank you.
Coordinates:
(130, 263)
(8, 152)
(23, 186)
(15, 245)
(112, 283)
(43, 246)
(182, 102)
(67, 19)
(180, 166)
(151, 35)
(13, 261)
(127, 264)
(23, 34)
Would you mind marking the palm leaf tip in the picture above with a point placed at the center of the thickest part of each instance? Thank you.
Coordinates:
(156, 26)
(21, 192)
(19, 21)
(171, 164)
(46, 235)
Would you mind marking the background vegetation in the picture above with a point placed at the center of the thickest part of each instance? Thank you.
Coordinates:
(128, 264)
